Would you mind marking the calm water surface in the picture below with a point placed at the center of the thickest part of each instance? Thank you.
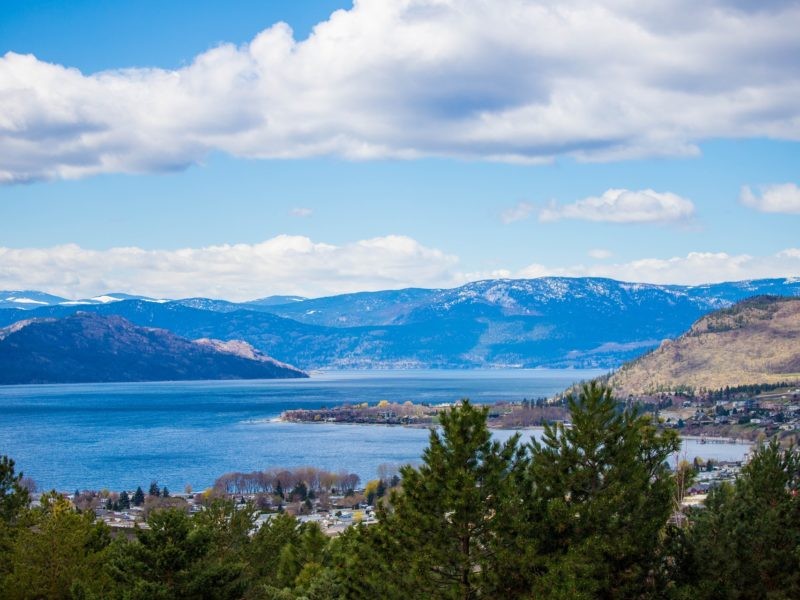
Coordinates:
(128, 434)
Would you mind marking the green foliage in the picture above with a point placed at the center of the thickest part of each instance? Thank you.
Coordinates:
(13, 501)
(281, 530)
(176, 557)
(58, 554)
(451, 532)
(746, 542)
(601, 494)
(13, 496)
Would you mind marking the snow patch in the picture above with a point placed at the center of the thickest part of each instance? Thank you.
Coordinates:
(104, 299)
(21, 300)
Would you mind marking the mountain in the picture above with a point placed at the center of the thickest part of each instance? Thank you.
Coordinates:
(111, 297)
(87, 347)
(30, 299)
(25, 299)
(525, 297)
(755, 341)
(550, 321)
(390, 307)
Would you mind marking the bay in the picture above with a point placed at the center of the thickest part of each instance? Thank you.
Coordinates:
(123, 435)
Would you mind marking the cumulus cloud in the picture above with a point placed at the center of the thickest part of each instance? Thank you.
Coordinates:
(511, 80)
(600, 253)
(281, 265)
(693, 269)
(778, 198)
(301, 212)
(520, 212)
(624, 206)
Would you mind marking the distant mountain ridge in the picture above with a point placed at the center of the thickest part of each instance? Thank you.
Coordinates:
(550, 321)
(756, 341)
(86, 347)
(29, 299)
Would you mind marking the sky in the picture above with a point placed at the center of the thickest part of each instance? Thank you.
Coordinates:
(250, 148)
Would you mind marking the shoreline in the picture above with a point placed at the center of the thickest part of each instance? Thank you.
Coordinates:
(394, 425)
(717, 440)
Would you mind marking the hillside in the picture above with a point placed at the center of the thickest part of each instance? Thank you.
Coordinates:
(755, 341)
(86, 347)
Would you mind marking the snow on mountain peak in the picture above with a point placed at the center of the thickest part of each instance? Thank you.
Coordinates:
(105, 299)
(21, 300)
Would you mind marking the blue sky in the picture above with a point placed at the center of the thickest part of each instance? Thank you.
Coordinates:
(426, 144)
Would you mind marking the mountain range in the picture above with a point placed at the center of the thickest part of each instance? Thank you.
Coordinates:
(544, 322)
(87, 347)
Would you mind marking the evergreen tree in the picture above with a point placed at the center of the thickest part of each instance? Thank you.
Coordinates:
(13, 495)
(599, 498)
(227, 527)
(164, 492)
(175, 558)
(154, 489)
(61, 550)
(300, 491)
(746, 541)
(281, 529)
(14, 499)
(452, 532)
(124, 500)
(138, 497)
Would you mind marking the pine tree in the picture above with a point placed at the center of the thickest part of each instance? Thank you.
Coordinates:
(13, 496)
(452, 532)
(599, 499)
(746, 541)
(14, 500)
(124, 500)
(268, 541)
(138, 497)
(59, 550)
(175, 558)
(154, 489)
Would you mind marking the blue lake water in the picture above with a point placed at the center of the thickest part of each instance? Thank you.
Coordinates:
(123, 435)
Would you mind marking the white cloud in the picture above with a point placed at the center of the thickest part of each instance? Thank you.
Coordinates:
(600, 253)
(281, 265)
(297, 265)
(693, 269)
(301, 212)
(778, 198)
(512, 80)
(520, 212)
(624, 206)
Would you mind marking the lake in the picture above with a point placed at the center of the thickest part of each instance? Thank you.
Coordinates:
(123, 435)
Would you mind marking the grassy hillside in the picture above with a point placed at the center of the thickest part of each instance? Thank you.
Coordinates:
(754, 341)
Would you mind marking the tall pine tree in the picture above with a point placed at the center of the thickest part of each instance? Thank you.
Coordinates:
(600, 495)
(452, 530)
